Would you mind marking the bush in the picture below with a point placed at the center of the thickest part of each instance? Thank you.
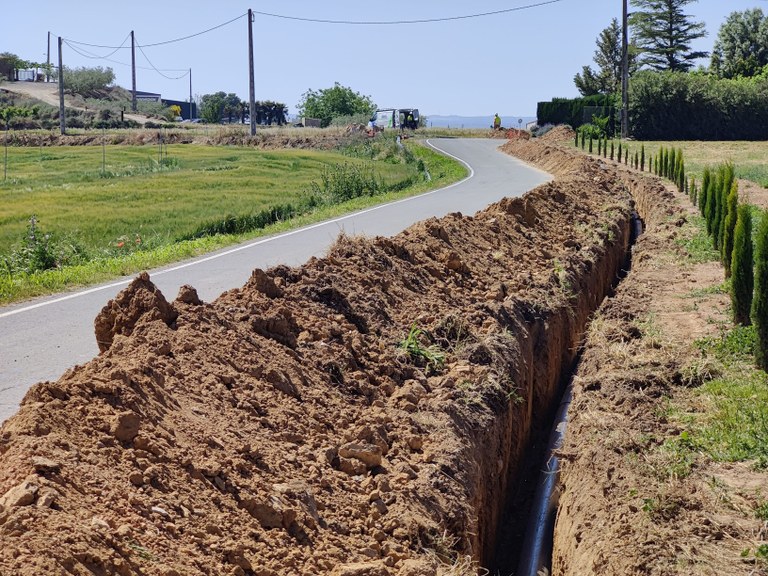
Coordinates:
(86, 81)
(760, 300)
(742, 275)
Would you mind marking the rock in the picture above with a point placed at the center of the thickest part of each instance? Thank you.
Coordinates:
(368, 454)
(361, 569)
(46, 498)
(20, 495)
(411, 567)
(264, 284)
(99, 523)
(188, 295)
(125, 426)
(44, 465)
(161, 511)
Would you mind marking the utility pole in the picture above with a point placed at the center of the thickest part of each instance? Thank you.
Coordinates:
(191, 104)
(48, 61)
(62, 125)
(252, 86)
(624, 75)
(133, 72)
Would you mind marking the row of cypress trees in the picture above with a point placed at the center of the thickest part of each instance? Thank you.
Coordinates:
(729, 223)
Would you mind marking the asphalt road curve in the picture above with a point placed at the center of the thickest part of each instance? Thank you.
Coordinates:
(43, 338)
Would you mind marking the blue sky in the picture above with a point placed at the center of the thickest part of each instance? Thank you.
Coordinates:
(504, 63)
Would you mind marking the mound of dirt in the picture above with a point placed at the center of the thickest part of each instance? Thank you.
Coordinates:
(560, 133)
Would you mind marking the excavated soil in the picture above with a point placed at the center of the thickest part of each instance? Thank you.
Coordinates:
(285, 428)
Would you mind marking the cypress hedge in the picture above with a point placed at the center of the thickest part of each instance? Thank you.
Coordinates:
(742, 275)
(760, 299)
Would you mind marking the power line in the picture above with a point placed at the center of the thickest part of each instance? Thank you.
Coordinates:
(400, 22)
(86, 54)
(165, 41)
(141, 49)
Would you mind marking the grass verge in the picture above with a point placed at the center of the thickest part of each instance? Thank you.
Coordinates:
(141, 197)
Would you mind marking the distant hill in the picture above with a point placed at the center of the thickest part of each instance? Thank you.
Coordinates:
(476, 121)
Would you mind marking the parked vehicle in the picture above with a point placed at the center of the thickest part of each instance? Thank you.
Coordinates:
(396, 118)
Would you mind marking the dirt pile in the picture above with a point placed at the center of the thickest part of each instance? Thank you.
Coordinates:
(362, 414)
(558, 134)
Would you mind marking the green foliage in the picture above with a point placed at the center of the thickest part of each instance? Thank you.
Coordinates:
(742, 274)
(87, 81)
(330, 103)
(571, 110)
(741, 48)
(608, 57)
(663, 34)
(697, 106)
(760, 300)
(428, 355)
(729, 227)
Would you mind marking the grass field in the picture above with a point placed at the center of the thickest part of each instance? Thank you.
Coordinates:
(749, 158)
(119, 209)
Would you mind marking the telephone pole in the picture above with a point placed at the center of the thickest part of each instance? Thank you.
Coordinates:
(48, 61)
(191, 110)
(251, 87)
(133, 72)
(62, 125)
(624, 75)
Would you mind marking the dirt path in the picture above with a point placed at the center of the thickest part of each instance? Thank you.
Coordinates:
(48, 92)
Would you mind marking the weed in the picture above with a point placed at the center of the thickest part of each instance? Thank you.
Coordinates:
(761, 510)
(430, 356)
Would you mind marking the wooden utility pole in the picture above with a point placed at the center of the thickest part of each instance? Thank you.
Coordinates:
(624, 74)
(252, 85)
(62, 125)
(48, 61)
(191, 110)
(133, 72)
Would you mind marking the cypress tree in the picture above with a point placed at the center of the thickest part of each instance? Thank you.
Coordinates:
(692, 192)
(642, 158)
(705, 179)
(681, 174)
(709, 214)
(729, 227)
(590, 143)
(760, 299)
(599, 146)
(626, 155)
(742, 275)
(577, 138)
(583, 141)
(636, 161)
(605, 146)
(717, 208)
(612, 150)
(619, 156)
(672, 166)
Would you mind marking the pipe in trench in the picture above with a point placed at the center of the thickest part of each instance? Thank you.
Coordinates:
(536, 552)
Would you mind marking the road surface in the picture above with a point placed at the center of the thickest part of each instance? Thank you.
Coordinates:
(43, 338)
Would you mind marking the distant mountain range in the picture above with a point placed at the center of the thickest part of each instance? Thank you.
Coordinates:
(477, 121)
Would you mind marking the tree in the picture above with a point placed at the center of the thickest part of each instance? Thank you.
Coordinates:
(742, 274)
(608, 57)
(663, 34)
(330, 103)
(85, 81)
(741, 48)
(212, 107)
(760, 300)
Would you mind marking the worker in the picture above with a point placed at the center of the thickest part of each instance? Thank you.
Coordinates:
(409, 121)
(496, 122)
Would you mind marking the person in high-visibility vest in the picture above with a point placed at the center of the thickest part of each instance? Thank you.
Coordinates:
(496, 122)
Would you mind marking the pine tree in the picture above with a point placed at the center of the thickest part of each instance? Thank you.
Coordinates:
(742, 274)
(760, 300)
(663, 34)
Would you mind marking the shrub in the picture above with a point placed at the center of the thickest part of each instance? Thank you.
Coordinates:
(742, 275)
(729, 227)
(760, 300)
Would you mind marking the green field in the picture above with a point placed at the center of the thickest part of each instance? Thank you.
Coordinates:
(115, 210)
(749, 158)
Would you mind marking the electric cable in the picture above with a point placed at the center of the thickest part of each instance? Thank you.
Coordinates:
(401, 22)
(141, 49)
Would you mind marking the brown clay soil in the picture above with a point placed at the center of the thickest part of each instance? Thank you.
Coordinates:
(284, 429)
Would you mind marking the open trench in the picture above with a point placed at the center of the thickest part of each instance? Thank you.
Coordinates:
(281, 429)
(551, 347)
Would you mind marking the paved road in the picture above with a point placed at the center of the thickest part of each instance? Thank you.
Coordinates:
(42, 338)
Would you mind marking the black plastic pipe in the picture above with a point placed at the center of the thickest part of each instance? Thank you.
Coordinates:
(536, 553)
